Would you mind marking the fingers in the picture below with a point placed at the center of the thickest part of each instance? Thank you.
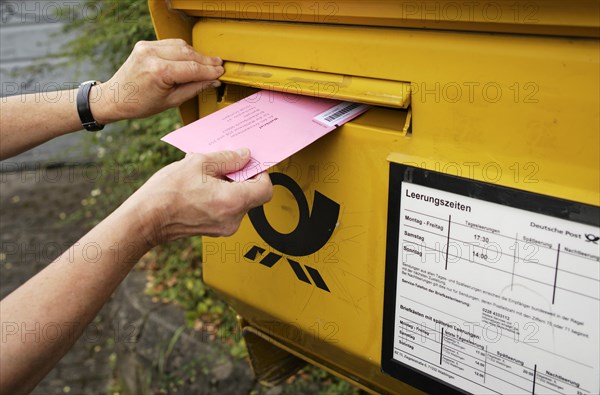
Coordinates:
(236, 198)
(175, 62)
(171, 42)
(185, 53)
(218, 164)
(182, 72)
(166, 41)
(169, 72)
(198, 203)
(187, 91)
(177, 49)
(258, 190)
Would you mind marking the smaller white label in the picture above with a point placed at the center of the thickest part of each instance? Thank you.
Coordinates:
(340, 114)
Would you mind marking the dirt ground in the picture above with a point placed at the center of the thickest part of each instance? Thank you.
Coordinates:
(35, 227)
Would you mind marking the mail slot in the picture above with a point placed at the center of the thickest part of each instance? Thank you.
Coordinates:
(449, 234)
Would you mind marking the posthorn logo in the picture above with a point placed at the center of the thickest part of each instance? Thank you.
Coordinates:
(314, 229)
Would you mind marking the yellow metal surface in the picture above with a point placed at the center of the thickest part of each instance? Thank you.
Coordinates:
(520, 111)
(524, 109)
(270, 363)
(572, 18)
(372, 388)
(517, 111)
(313, 83)
(340, 330)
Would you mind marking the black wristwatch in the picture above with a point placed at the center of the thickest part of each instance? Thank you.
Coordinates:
(83, 107)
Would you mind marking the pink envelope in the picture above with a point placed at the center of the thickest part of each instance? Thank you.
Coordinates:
(272, 125)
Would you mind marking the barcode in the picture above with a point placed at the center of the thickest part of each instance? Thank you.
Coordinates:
(341, 112)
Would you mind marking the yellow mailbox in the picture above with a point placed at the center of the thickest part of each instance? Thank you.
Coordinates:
(445, 241)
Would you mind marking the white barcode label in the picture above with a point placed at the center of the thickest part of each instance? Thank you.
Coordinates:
(340, 114)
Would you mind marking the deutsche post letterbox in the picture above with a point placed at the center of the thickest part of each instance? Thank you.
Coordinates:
(447, 239)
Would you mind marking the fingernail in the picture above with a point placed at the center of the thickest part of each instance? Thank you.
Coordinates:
(215, 84)
(218, 60)
(243, 152)
(220, 69)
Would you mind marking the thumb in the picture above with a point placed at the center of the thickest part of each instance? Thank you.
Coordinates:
(185, 92)
(218, 164)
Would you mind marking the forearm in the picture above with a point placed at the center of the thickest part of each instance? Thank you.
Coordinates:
(156, 76)
(65, 297)
(29, 120)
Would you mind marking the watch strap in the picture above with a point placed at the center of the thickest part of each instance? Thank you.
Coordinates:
(83, 107)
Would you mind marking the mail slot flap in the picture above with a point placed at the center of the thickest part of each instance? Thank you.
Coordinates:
(374, 91)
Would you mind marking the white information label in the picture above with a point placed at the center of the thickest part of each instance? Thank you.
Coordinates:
(495, 299)
(340, 114)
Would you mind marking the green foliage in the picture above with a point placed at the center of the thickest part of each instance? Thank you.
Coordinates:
(106, 30)
(312, 380)
(175, 276)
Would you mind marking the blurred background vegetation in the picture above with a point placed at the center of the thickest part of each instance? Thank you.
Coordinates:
(132, 151)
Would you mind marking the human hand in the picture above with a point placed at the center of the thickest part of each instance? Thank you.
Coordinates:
(156, 76)
(192, 197)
